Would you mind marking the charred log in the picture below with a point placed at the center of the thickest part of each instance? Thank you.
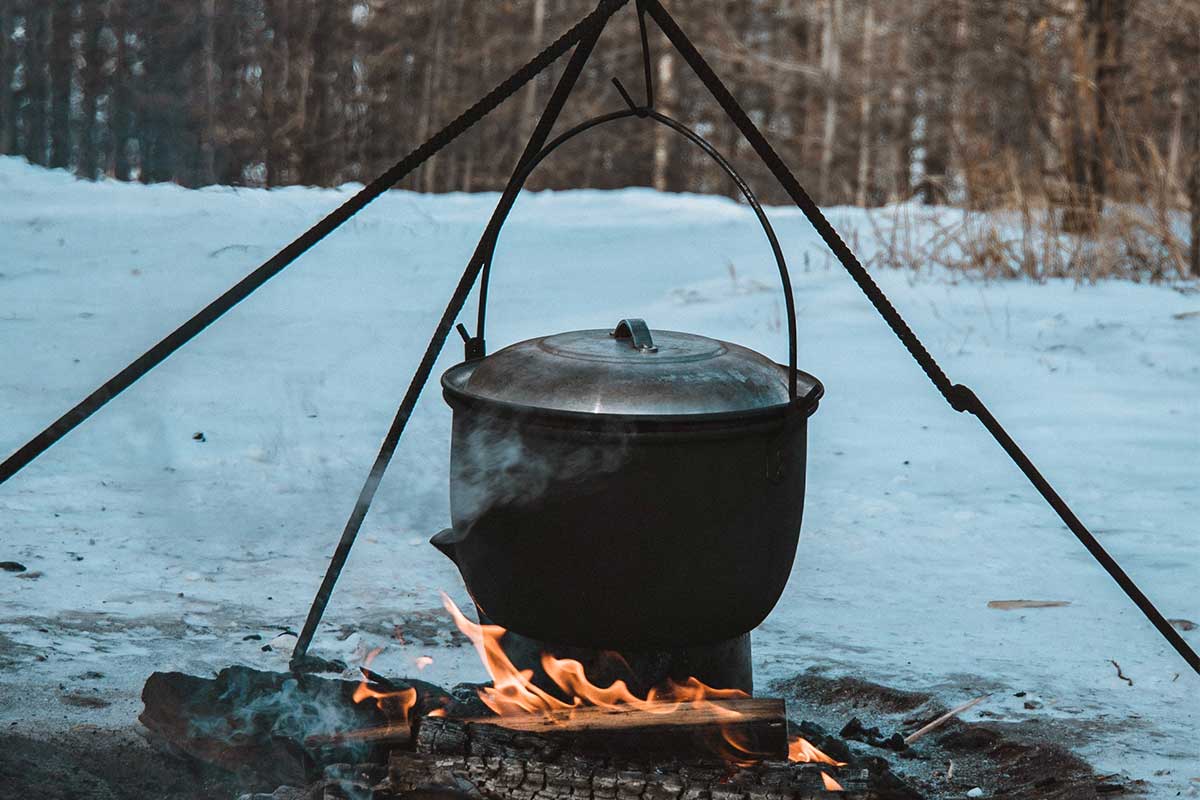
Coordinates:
(271, 724)
(695, 729)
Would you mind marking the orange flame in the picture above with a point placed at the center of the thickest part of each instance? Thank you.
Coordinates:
(802, 751)
(395, 705)
(513, 692)
(830, 784)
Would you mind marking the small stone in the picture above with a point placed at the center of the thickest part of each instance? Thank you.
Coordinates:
(12, 566)
(976, 792)
(199, 436)
(1032, 704)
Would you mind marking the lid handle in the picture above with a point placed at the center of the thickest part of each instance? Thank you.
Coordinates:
(638, 334)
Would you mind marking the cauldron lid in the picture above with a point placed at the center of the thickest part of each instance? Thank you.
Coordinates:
(631, 370)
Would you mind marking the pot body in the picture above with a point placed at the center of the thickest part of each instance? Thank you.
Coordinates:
(609, 531)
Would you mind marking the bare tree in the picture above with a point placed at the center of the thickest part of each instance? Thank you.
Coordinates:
(1097, 48)
(831, 66)
(8, 72)
(37, 24)
(93, 85)
(1058, 103)
(864, 107)
(663, 138)
(60, 82)
(1194, 177)
(121, 114)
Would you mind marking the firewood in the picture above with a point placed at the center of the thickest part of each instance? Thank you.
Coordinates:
(595, 754)
(248, 721)
(751, 727)
(510, 772)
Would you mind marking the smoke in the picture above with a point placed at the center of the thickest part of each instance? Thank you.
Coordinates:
(290, 712)
(507, 463)
(260, 720)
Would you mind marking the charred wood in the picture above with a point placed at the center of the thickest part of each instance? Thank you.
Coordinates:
(700, 729)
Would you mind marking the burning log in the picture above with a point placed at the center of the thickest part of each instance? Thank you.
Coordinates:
(738, 729)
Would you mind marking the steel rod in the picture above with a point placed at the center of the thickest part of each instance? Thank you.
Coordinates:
(975, 406)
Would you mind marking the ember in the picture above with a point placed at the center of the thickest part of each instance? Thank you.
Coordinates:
(396, 705)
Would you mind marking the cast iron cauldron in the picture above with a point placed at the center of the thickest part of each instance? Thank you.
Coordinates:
(629, 488)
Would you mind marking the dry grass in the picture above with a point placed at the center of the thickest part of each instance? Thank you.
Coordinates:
(1025, 237)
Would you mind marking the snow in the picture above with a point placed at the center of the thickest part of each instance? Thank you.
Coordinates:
(158, 551)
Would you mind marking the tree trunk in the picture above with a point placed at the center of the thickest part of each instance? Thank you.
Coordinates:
(36, 25)
(8, 68)
(939, 62)
(274, 91)
(207, 168)
(93, 85)
(1175, 140)
(433, 63)
(119, 118)
(61, 59)
(318, 115)
(864, 107)
(831, 66)
(233, 145)
(1097, 53)
(901, 118)
(529, 100)
(1109, 59)
(664, 139)
(1194, 178)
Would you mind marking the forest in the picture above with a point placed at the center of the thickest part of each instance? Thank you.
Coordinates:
(1081, 116)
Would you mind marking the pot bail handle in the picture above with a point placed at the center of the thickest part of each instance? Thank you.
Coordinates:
(637, 332)
(475, 346)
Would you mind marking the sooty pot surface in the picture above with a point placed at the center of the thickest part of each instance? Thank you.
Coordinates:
(631, 489)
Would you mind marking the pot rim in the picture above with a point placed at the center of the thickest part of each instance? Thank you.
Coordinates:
(457, 395)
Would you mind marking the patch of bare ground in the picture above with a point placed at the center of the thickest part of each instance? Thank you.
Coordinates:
(1001, 759)
(104, 764)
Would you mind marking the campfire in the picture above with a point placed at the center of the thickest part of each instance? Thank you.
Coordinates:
(513, 696)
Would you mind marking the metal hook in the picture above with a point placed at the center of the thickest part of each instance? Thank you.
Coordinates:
(641, 9)
(641, 111)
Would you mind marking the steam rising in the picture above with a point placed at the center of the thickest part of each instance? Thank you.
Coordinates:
(505, 462)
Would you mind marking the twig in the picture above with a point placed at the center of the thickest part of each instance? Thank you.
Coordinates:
(1120, 674)
(943, 719)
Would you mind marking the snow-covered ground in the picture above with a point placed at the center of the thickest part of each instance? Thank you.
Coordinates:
(149, 550)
